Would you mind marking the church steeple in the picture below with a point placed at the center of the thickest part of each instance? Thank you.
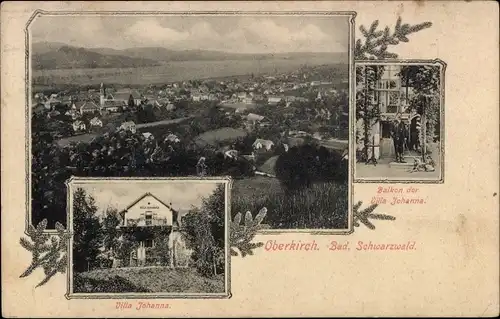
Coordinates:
(102, 95)
(319, 97)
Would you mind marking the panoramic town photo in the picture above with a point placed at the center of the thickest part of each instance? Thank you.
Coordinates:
(261, 98)
(164, 237)
(399, 121)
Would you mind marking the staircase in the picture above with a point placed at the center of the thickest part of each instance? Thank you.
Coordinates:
(409, 158)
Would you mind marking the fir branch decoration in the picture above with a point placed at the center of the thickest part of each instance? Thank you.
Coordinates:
(363, 215)
(241, 234)
(377, 41)
(48, 252)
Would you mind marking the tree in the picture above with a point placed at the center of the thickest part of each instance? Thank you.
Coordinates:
(48, 174)
(110, 231)
(367, 108)
(205, 232)
(87, 231)
(131, 102)
(304, 165)
(425, 100)
(126, 244)
(161, 250)
(62, 108)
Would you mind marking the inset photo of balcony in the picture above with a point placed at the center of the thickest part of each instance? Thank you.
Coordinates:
(399, 121)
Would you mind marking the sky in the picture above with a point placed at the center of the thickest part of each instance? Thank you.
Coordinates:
(183, 195)
(244, 34)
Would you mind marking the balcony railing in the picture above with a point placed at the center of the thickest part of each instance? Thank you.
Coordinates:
(130, 222)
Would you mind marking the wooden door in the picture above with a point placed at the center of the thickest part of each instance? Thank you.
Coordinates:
(386, 142)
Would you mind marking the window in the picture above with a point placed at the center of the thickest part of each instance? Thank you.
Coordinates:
(392, 108)
(149, 218)
(387, 84)
(149, 243)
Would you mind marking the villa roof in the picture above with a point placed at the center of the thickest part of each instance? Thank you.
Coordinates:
(175, 213)
(89, 105)
(145, 195)
(263, 142)
(114, 103)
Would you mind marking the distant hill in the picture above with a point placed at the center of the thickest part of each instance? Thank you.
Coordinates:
(44, 47)
(53, 55)
(167, 55)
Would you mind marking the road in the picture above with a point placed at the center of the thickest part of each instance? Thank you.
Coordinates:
(338, 145)
(164, 122)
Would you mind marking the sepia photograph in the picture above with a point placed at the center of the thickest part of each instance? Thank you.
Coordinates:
(263, 98)
(148, 237)
(399, 121)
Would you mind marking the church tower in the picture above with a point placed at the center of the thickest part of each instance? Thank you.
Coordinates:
(319, 97)
(102, 95)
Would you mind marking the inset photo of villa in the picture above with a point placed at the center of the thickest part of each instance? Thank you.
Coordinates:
(399, 121)
(148, 238)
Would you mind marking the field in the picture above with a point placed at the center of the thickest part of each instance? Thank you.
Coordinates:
(322, 206)
(172, 71)
(84, 138)
(219, 135)
(146, 279)
(269, 165)
(255, 186)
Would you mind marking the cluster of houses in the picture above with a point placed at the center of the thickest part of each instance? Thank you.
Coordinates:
(234, 94)
(108, 101)
(270, 89)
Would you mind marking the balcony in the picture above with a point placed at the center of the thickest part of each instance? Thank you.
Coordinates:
(392, 109)
(146, 222)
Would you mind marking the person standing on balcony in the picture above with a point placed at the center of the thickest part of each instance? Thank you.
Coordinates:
(399, 136)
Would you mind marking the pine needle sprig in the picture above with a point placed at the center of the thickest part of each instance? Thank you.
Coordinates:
(48, 252)
(376, 42)
(364, 215)
(242, 234)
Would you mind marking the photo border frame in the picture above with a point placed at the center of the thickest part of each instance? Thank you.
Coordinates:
(442, 70)
(350, 15)
(74, 180)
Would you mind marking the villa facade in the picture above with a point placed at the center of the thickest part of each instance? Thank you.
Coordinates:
(149, 222)
(391, 96)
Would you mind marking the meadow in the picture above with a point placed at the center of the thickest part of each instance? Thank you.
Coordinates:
(321, 206)
(171, 72)
(146, 279)
(219, 135)
(84, 138)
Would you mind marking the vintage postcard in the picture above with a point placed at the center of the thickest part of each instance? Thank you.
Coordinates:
(243, 159)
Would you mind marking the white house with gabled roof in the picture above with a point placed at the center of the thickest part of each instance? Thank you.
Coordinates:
(147, 221)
